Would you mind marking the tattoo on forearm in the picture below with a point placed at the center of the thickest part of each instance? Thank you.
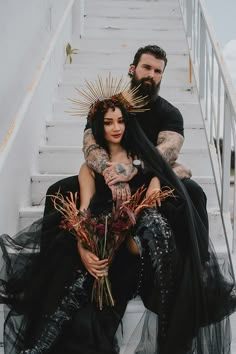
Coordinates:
(169, 144)
(97, 160)
(95, 156)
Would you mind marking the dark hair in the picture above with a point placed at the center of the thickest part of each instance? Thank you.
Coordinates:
(97, 125)
(154, 50)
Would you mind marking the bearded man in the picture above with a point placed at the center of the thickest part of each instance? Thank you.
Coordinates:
(163, 125)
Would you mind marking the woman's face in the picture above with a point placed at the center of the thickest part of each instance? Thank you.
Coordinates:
(114, 126)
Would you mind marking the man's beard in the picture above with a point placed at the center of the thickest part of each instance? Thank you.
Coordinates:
(150, 89)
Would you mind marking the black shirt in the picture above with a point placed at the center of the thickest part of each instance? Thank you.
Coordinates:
(161, 116)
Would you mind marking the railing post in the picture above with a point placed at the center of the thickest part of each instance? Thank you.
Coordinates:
(78, 19)
(189, 10)
(202, 59)
(226, 156)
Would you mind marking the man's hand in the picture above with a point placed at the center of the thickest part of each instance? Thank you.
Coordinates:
(118, 172)
(120, 191)
(96, 267)
(181, 171)
(116, 176)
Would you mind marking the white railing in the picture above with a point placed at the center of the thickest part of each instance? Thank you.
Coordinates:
(218, 104)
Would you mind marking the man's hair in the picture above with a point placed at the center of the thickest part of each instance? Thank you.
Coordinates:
(154, 50)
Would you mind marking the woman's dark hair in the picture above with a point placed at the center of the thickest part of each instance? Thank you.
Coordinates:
(97, 125)
(154, 50)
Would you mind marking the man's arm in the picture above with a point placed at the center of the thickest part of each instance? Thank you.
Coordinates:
(169, 144)
(96, 157)
(116, 175)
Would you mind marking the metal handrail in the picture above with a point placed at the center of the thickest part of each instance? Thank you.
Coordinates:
(217, 98)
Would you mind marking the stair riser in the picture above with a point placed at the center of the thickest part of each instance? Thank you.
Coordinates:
(39, 188)
(66, 135)
(216, 231)
(105, 45)
(184, 95)
(190, 111)
(61, 162)
(134, 10)
(72, 135)
(154, 35)
(162, 23)
(68, 161)
(120, 62)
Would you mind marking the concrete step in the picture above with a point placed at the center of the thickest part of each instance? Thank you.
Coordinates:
(119, 61)
(68, 159)
(132, 9)
(185, 93)
(163, 23)
(133, 314)
(91, 45)
(70, 133)
(41, 182)
(172, 78)
(191, 112)
(153, 34)
(28, 215)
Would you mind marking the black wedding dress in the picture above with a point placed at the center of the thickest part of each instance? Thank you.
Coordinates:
(188, 293)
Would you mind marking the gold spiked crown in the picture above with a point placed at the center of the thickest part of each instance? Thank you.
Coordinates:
(116, 90)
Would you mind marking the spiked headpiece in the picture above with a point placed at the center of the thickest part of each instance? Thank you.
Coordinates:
(115, 90)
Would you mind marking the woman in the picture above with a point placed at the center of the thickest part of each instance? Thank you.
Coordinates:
(179, 281)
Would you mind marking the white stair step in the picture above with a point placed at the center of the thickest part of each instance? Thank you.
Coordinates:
(177, 77)
(28, 215)
(190, 111)
(70, 133)
(119, 33)
(120, 22)
(133, 9)
(41, 182)
(67, 160)
(133, 314)
(171, 45)
(65, 133)
(184, 94)
(60, 159)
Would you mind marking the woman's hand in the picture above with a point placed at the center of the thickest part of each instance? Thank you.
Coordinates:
(96, 267)
(154, 186)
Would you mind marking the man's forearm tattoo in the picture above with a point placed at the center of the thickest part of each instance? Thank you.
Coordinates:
(169, 144)
(95, 156)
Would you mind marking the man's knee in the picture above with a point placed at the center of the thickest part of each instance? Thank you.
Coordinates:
(195, 191)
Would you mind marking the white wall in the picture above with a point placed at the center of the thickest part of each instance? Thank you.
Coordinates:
(26, 27)
(33, 36)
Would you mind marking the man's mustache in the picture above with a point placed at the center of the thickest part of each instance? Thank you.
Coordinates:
(147, 79)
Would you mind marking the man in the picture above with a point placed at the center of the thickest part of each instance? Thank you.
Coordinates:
(162, 124)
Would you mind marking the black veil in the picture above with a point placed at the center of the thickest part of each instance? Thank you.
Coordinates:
(205, 296)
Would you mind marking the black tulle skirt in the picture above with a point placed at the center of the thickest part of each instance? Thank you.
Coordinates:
(47, 293)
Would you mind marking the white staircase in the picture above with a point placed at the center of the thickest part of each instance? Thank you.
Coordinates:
(114, 30)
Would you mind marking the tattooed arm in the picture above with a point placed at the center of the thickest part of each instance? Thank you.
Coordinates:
(116, 175)
(169, 144)
(96, 157)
